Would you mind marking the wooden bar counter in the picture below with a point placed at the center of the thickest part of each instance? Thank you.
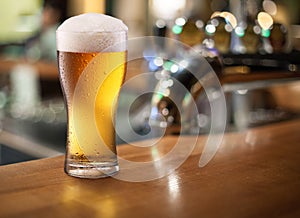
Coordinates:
(255, 173)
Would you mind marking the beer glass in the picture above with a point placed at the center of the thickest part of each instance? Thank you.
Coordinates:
(92, 64)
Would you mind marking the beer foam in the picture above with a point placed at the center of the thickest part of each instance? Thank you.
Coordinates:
(91, 32)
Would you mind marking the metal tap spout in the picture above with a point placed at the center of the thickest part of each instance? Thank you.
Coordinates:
(176, 92)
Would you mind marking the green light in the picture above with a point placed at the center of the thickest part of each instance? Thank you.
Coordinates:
(157, 97)
(240, 32)
(168, 65)
(266, 33)
(155, 153)
(177, 29)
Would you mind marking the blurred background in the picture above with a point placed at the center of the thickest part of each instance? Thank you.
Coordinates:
(21, 20)
(252, 45)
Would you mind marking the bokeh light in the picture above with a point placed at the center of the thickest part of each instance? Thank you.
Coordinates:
(270, 7)
(264, 20)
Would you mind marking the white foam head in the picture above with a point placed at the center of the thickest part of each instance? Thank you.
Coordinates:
(91, 32)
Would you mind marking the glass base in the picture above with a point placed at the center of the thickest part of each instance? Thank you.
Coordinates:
(91, 170)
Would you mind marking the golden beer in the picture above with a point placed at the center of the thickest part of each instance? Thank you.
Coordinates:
(91, 80)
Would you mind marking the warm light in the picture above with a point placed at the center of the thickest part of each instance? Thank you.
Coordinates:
(165, 111)
(173, 185)
(215, 14)
(242, 91)
(97, 6)
(167, 9)
(265, 20)
(73, 192)
(85, 6)
(229, 17)
(270, 7)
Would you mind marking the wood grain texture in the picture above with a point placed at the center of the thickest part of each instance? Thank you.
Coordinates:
(255, 173)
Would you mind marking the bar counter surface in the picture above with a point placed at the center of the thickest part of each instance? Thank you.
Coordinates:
(255, 173)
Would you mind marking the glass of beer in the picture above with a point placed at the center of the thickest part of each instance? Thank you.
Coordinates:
(92, 53)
